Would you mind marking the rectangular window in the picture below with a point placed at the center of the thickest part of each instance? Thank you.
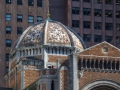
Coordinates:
(7, 69)
(108, 13)
(8, 17)
(19, 30)
(98, 12)
(8, 30)
(87, 37)
(118, 39)
(75, 23)
(86, 24)
(75, 10)
(7, 57)
(108, 1)
(98, 25)
(108, 26)
(108, 38)
(98, 38)
(30, 3)
(8, 43)
(39, 18)
(8, 1)
(75, 0)
(86, 11)
(98, 1)
(117, 2)
(19, 2)
(86, 1)
(118, 27)
(19, 18)
(117, 14)
(39, 3)
(30, 19)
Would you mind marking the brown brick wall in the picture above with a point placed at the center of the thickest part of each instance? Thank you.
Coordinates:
(64, 79)
(12, 82)
(30, 76)
(18, 85)
(54, 58)
(12, 65)
(92, 76)
(97, 50)
(43, 86)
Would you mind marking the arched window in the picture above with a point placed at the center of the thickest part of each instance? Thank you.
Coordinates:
(113, 65)
(105, 64)
(109, 65)
(88, 63)
(84, 63)
(52, 85)
(117, 65)
(92, 64)
(100, 64)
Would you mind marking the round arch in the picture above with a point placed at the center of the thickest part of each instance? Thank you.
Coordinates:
(104, 83)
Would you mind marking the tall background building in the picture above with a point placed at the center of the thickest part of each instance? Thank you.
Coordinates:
(93, 20)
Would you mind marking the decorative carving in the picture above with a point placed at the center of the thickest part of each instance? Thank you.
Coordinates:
(33, 36)
(105, 49)
(56, 34)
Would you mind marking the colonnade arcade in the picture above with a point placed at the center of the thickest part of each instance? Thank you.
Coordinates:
(101, 63)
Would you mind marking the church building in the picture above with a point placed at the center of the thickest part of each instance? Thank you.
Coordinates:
(51, 56)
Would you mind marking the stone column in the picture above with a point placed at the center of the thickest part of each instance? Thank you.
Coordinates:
(73, 72)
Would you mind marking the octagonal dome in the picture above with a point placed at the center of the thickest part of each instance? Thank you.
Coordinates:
(49, 32)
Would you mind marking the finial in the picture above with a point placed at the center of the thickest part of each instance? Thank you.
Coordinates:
(48, 13)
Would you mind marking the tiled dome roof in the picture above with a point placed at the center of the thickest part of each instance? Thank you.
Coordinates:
(49, 32)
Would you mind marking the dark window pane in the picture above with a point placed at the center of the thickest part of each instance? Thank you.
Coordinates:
(98, 12)
(108, 13)
(8, 1)
(75, 0)
(98, 25)
(98, 38)
(39, 3)
(7, 57)
(30, 19)
(86, 11)
(30, 2)
(118, 39)
(19, 30)
(19, 18)
(8, 17)
(75, 23)
(108, 1)
(39, 18)
(19, 2)
(98, 1)
(86, 0)
(8, 30)
(87, 37)
(117, 14)
(108, 26)
(8, 42)
(118, 27)
(86, 24)
(117, 2)
(75, 10)
(108, 38)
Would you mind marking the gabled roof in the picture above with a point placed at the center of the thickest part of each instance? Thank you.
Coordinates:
(102, 49)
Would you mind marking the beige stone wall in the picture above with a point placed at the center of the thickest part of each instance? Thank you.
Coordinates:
(92, 76)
